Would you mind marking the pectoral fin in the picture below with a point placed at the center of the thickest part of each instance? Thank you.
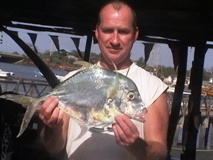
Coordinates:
(84, 129)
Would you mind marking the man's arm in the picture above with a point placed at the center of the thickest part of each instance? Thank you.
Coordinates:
(54, 134)
(156, 128)
(153, 147)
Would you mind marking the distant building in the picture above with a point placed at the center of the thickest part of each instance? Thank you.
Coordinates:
(211, 80)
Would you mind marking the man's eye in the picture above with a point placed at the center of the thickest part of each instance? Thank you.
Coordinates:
(107, 30)
(123, 32)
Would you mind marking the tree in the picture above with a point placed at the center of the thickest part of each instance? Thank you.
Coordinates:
(141, 62)
(208, 73)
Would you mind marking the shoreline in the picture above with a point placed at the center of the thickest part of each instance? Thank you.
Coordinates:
(63, 67)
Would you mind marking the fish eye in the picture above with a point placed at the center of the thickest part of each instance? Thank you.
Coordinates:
(109, 100)
(131, 95)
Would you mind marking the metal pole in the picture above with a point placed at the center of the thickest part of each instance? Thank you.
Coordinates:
(194, 102)
(88, 48)
(177, 98)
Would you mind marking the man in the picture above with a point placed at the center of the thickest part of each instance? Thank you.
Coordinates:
(116, 31)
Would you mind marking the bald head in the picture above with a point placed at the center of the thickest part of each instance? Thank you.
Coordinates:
(118, 5)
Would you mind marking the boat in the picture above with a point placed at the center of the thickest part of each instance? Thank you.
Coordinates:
(38, 74)
(5, 73)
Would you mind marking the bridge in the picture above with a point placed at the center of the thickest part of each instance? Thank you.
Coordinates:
(10, 58)
(23, 86)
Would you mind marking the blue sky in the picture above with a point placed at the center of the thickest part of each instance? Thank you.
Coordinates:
(160, 55)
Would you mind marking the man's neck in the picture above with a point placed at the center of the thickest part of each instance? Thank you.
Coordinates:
(112, 66)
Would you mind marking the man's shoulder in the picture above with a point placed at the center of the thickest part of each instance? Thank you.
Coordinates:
(135, 67)
(142, 75)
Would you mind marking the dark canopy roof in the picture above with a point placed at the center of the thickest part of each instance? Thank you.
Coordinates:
(183, 20)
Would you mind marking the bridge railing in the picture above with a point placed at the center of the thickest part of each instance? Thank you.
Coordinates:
(29, 87)
(205, 131)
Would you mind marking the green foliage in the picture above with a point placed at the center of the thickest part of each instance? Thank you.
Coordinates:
(168, 71)
(55, 58)
(163, 71)
(94, 58)
(62, 57)
(25, 57)
(207, 74)
(141, 62)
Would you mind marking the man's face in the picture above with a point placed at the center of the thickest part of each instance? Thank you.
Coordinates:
(116, 34)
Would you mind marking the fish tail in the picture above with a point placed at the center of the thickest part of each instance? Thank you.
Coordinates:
(32, 107)
(21, 99)
(26, 120)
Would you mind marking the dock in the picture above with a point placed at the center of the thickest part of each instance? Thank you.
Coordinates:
(11, 114)
(205, 131)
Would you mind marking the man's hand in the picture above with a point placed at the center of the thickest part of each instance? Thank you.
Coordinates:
(56, 125)
(125, 131)
(153, 146)
(50, 114)
(127, 135)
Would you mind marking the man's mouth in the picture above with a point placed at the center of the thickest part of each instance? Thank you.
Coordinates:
(114, 50)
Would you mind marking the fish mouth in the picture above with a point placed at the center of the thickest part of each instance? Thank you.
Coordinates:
(139, 115)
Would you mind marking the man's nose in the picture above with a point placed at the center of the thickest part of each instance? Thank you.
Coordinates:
(115, 39)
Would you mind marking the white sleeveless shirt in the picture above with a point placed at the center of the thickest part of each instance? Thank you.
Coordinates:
(102, 146)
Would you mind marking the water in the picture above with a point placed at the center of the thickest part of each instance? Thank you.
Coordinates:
(23, 71)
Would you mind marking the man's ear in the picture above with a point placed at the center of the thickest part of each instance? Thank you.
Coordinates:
(136, 33)
(96, 32)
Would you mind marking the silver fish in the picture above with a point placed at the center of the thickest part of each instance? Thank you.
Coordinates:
(92, 97)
